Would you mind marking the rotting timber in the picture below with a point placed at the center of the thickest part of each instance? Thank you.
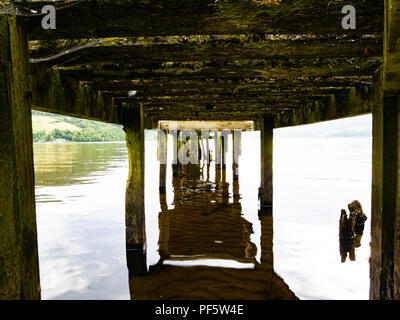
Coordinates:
(278, 63)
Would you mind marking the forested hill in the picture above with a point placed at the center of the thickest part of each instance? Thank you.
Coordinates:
(51, 127)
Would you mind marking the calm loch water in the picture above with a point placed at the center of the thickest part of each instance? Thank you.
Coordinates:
(205, 237)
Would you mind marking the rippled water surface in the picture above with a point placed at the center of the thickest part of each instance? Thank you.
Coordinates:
(205, 237)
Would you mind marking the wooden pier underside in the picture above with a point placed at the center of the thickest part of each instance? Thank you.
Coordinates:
(283, 62)
(201, 60)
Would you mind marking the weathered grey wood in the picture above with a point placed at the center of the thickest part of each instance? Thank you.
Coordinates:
(19, 266)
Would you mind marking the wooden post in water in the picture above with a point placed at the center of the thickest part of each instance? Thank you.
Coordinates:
(133, 121)
(175, 161)
(265, 191)
(236, 151)
(19, 264)
(217, 157)
(385, 222)
(162, 157)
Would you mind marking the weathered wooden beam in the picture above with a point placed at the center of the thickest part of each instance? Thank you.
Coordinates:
(324, 69)
(162, 143)
(385, 225)
(391, 80)
(57, 94)
(19, 264)
(211, 49)
(96, 19)
(346, 103)
(265, 192)
(206, 125)
(133, 121)
(235, 86)
(208, 93)
(377, 188)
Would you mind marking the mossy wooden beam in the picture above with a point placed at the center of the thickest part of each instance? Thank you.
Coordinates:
(19, 265)
(57, 94)
(168, 86)
(376, 192)
(391, 80)
(125, 70)
(346, 103)
(133, 121)
(166, 77)
(94, 19)
(217, 50)
(385, 224)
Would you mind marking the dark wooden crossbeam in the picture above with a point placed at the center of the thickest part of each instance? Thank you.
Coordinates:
(95, 19)
(238, 92)
(171, 77)
(113, 51)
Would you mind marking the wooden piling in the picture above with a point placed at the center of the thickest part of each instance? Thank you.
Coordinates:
(162, 157)
(385, 222)
(236, 151)
(265, 191)
(19, 266)
(134, 201)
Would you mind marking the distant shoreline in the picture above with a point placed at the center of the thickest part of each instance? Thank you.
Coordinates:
(75, 142)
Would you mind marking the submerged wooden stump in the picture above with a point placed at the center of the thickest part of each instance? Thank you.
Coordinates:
(351, 229)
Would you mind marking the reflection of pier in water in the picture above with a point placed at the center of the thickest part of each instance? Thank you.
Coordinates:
(204, 241)
(233, 61)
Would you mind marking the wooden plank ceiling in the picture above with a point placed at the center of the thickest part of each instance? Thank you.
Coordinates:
(213, 60)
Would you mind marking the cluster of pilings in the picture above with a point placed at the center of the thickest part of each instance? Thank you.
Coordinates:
(301, 70)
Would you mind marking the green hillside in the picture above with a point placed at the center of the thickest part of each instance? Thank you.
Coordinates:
(51, 127)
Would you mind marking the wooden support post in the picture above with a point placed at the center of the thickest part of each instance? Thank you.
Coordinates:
(224, 148)
(385, 191)
(217, 157)
(162, 157)
(19, 264)
(377, 188)
(385, 240)
(134, 204)
(265, 191)
(236, 151)
(175, 161)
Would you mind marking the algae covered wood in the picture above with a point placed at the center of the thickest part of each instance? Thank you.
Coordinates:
(91, 19)
(134, 203)
(19, 266)
(266, 189)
